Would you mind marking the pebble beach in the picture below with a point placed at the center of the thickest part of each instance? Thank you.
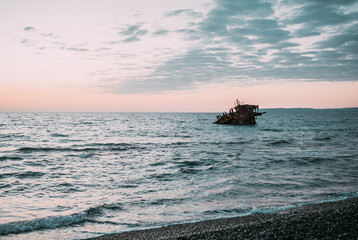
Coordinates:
(330, 220)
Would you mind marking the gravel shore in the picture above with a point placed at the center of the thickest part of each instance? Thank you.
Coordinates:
(332, 220)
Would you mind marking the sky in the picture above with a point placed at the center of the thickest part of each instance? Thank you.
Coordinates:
(177, 56)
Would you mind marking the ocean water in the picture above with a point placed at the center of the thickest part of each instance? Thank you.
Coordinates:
(80, 175)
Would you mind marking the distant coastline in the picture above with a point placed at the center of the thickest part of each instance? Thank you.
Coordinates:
(345, 108)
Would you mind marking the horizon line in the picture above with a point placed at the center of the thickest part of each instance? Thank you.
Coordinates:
(274, 108)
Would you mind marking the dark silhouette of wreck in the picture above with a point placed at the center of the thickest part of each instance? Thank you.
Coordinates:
(241, 114)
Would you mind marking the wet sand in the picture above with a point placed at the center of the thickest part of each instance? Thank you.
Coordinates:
(333, 220)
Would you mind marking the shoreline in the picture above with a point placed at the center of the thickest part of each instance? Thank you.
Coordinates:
(329, 220)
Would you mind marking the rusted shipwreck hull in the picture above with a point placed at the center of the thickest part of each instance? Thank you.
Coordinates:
(241, 114)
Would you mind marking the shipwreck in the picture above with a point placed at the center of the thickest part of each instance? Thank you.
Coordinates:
(241, 114)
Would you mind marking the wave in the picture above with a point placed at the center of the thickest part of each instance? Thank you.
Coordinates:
(29, 174)
(41, 149)
(86, 123)
(179, 143)
(6, 175)
(6, 135)
(12, 135)
(347, 156)
(52, 149)
(85, 155)
(59, 135)
(167, 201)
(235, 142)
(303, 161)
(322, 138)
(114, 146)
(279, 142)
(187, 163)
(272, 130)
(189, 171)
(182, 136)
(56, 221)
(163, 176)
(82, 148)
(239, 212)
(13, 158)
(111, 144)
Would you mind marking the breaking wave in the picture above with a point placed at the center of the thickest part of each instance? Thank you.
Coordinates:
(55, 221)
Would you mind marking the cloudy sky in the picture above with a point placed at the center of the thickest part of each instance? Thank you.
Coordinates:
(168, 55)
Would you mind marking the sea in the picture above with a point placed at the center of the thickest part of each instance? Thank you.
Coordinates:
(82, 175)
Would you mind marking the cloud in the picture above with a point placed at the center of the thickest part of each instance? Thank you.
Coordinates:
(306, 32)
(251, 41)
(190, 33)
(322, 13)
(103, 49)
(133, 33)
(237, 23)
(315, 15)
(47, 35)
(130, 30)
(40, 41)
(188, 12)
(131, 39)
(32, 29)
(29, 29)
(141, 32)
(229, 12)
(181, 72)
(234, 41)
(258, 31)
(77, 49)
(28, 42)
(345, 38)
(160, 32)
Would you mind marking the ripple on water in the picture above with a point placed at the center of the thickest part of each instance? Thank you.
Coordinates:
(164, 168)
(29, 174)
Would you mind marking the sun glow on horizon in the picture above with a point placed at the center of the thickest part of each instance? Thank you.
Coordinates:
(213, 98)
